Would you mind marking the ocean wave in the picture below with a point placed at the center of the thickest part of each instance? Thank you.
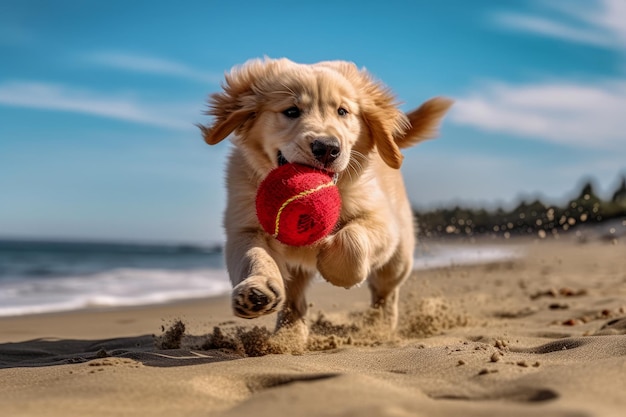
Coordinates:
(143, 286)
(114, 288)
(450, 255)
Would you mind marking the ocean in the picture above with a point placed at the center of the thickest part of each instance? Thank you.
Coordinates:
(42, 277)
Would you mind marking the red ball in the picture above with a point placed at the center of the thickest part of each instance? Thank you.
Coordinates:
(297, 204)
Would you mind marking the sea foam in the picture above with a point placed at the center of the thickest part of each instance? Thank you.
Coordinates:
(127, 286)
(117, 287)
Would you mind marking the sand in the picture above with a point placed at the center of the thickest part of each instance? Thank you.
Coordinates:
(541, 335)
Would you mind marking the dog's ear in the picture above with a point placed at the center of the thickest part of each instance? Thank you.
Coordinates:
(384, 124)
(237, 104)
(424, 122)
(384, 120)
(223, 127)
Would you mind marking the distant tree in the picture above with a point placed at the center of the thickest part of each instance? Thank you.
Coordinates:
(619, 196)
(533, 218)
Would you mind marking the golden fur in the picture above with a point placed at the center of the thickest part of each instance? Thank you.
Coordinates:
(375, 237)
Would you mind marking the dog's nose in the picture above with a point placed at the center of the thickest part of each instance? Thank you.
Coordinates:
(326, 150)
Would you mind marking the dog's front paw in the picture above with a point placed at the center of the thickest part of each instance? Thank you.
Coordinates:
(343, 258)
(256, 296)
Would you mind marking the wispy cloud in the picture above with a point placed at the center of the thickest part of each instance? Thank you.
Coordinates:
(596, 22)
(151, 65)
(565, 113)
(60, 97)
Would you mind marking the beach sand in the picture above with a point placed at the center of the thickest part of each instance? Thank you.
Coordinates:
(541, 335)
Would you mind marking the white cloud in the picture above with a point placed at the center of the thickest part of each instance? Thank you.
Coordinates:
(60, 97)
(566, 113)
(554, 29)
(599, 22)
(151, 65)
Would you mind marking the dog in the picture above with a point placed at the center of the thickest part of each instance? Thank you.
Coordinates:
(335, 117)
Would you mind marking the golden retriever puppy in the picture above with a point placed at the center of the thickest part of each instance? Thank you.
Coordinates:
(335, 117)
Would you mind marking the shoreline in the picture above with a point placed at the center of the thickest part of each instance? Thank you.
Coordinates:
(429, 255)
(516, 250)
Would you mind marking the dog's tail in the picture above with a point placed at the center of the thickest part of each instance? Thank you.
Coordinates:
(424, 122)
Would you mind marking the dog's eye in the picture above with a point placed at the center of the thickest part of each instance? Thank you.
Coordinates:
(341, 111)
(292, 112)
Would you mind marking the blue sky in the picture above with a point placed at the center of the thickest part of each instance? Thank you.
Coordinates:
(98, 102)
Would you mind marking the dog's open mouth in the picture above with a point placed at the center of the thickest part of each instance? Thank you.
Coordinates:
(281, 159)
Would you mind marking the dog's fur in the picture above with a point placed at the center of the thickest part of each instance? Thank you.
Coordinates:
(375, 237)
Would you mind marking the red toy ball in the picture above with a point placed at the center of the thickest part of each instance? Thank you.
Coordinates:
(297, 204)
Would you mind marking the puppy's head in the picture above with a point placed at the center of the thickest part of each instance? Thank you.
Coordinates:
(324, 115)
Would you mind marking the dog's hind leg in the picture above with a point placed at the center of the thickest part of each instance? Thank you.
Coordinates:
(292, 316)
(384, 284)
